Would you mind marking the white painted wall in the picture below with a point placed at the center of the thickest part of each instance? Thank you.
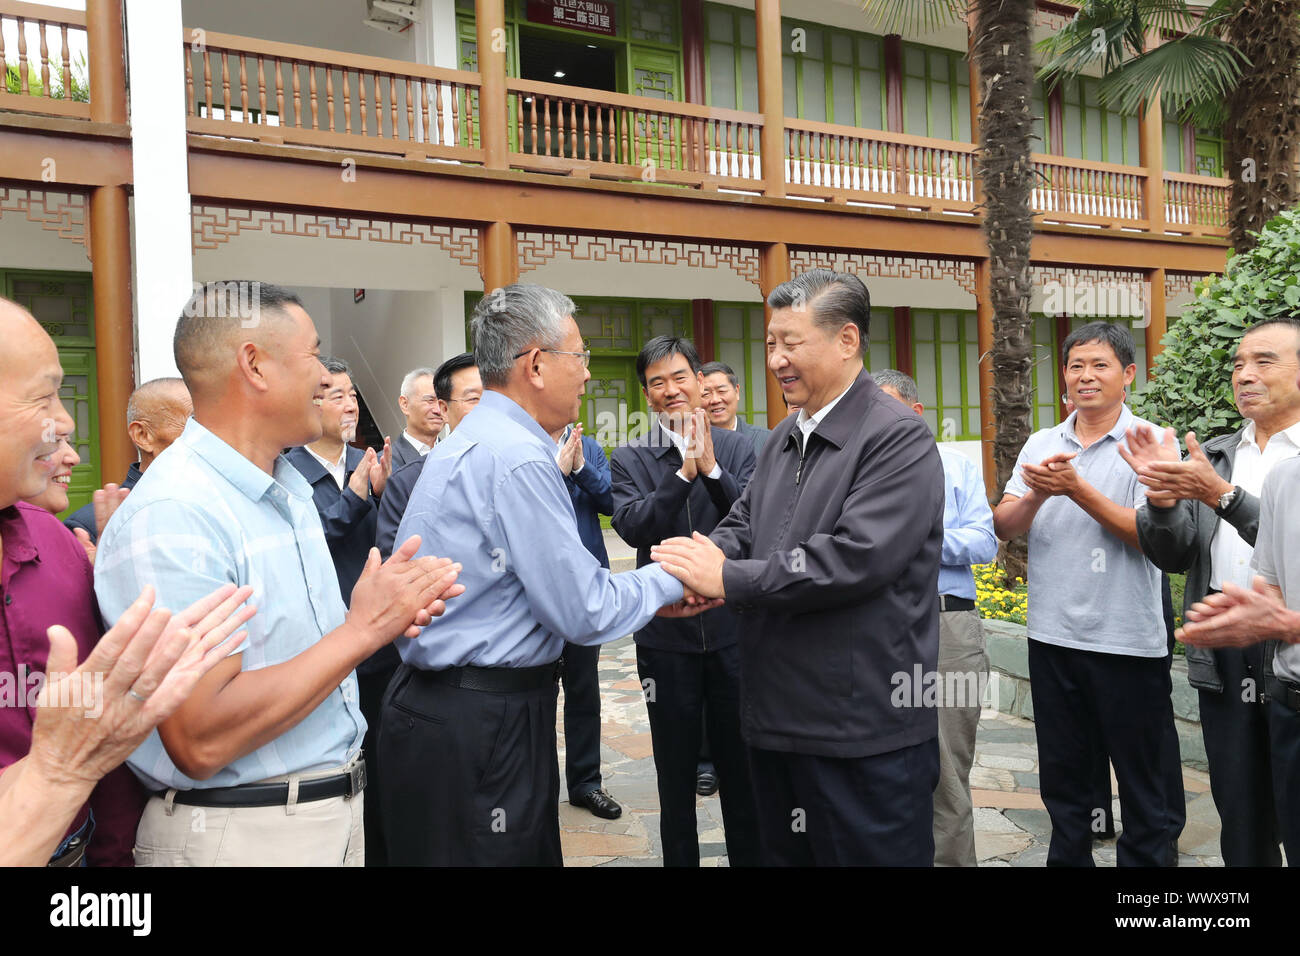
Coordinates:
(328, 24)
(435, 35)
(26, 245)
(160, 173)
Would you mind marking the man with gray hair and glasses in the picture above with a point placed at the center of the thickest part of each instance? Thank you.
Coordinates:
(423, 414)
(467, 745)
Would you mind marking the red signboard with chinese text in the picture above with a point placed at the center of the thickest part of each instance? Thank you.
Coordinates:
(593, 16)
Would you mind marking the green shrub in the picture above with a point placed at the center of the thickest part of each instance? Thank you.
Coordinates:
(1191, 385)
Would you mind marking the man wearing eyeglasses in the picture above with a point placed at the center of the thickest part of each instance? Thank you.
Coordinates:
(458, 387)
(467, 742)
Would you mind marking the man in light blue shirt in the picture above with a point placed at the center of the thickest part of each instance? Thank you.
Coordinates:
(266, 748)
(968, 539)
(468, 724)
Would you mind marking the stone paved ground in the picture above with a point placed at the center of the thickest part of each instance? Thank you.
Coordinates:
(1011, 825)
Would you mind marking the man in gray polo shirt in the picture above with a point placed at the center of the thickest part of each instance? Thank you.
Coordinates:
(1097, 644)
(1269, 610)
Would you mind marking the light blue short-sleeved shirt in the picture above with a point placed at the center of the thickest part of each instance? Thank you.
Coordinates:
(1088, 589)
(492, 497)
(202, 516)
(968, 536)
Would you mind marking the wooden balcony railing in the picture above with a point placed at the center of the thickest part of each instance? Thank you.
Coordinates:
(1196, 205)
(844, 163)
(250, 89)
(41, 74)
(595, 133)
(1083, 192)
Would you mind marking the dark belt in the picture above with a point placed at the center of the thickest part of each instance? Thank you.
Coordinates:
(949, 603)
(496, 680)
(274, 794)
(1284, 692)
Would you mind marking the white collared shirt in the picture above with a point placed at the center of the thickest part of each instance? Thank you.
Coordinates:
(680, 442)
(415, 443)
(1229, 554)
(808, 423)
(336, 469)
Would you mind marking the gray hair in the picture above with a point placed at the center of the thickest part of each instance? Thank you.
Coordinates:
(900, 382)
(411, 377)
(511, 320)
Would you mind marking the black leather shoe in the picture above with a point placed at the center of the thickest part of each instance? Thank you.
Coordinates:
(706, 783)
(601, 804)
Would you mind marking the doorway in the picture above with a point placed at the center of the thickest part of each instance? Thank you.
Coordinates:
(547, 57)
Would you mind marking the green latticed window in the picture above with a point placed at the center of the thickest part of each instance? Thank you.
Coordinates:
(945, 357)
(936, 93)
(739, 340)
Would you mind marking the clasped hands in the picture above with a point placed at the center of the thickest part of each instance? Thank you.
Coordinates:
(1239, 616)
(699, 458)
(697, 563)
(1167, 477)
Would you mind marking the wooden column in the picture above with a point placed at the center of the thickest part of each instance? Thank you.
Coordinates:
(498, 262)
(702, 328)
(107, 62)
(693, 51)
(903, 340)
(110, 255)
(1055, 122)
(767, 15)
(893, 50)
(490, 25)
(984, 336)
(774, 268)
(1152, 157)
(1156, 319)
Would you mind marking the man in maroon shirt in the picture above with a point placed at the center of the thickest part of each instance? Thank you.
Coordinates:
(45, 578)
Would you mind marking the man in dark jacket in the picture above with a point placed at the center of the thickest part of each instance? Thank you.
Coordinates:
(1202, 516)
(345, 481)
(720, 396)
(458, 388)
(682, 477)
(586, 475)
(831, 557)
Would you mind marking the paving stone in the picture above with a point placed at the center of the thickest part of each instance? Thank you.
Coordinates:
(712, 849)
(635, 746)
(1197, 781)
(991, 820)
(583, 843)
(586, 860)
(1017, 799)
(1036, 822)
(993, 845)
(623, 861)
(1008, 647)
(1036, 855)
(1026, 781)
(989, 778)
(1005, 762)
(1026, 749)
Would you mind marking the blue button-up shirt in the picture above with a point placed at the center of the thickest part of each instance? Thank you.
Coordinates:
(202, 516)
(492, 497)
(968, 536)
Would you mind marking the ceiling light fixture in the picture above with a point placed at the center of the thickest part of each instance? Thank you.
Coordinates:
(559, 74)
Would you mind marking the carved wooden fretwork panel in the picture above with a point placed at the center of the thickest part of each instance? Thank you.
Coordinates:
(866, 266)
(62, 213)
(537, 248)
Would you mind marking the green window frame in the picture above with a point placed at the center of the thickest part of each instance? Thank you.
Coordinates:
(740, 340)
(941, 108)
(945, 360)
(881, 353)
(1092, 131)
(838, 76)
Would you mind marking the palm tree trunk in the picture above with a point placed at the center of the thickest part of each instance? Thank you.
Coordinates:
(1003, 51)
(1263, 115)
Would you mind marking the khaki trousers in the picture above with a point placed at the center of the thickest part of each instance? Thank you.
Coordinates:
(319, 833)
(961, 655)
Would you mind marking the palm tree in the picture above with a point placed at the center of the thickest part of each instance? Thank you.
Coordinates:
(1003, 52)
(1229, 65)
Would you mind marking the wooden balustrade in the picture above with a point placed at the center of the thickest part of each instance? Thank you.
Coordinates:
(1083, 192)
(844, 163)
(47, 78)
(594, 133)
(352, 102)
(1196, 205)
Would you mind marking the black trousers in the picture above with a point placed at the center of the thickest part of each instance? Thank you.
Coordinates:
(858, 811)
(1081, 697)
(683, 686)
(581, 720)
(1284, 742)
(371, 687)
(1237, 748)
(469, 778)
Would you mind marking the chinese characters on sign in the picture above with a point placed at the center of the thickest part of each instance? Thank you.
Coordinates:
(593, 16)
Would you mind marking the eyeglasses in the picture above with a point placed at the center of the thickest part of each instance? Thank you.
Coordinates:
(584, 355)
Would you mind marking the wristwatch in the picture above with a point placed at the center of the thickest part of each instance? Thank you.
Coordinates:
(1226, 499)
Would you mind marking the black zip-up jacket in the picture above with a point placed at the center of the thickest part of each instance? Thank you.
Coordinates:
(833, 564)
(1179, 539)
(651, 503)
